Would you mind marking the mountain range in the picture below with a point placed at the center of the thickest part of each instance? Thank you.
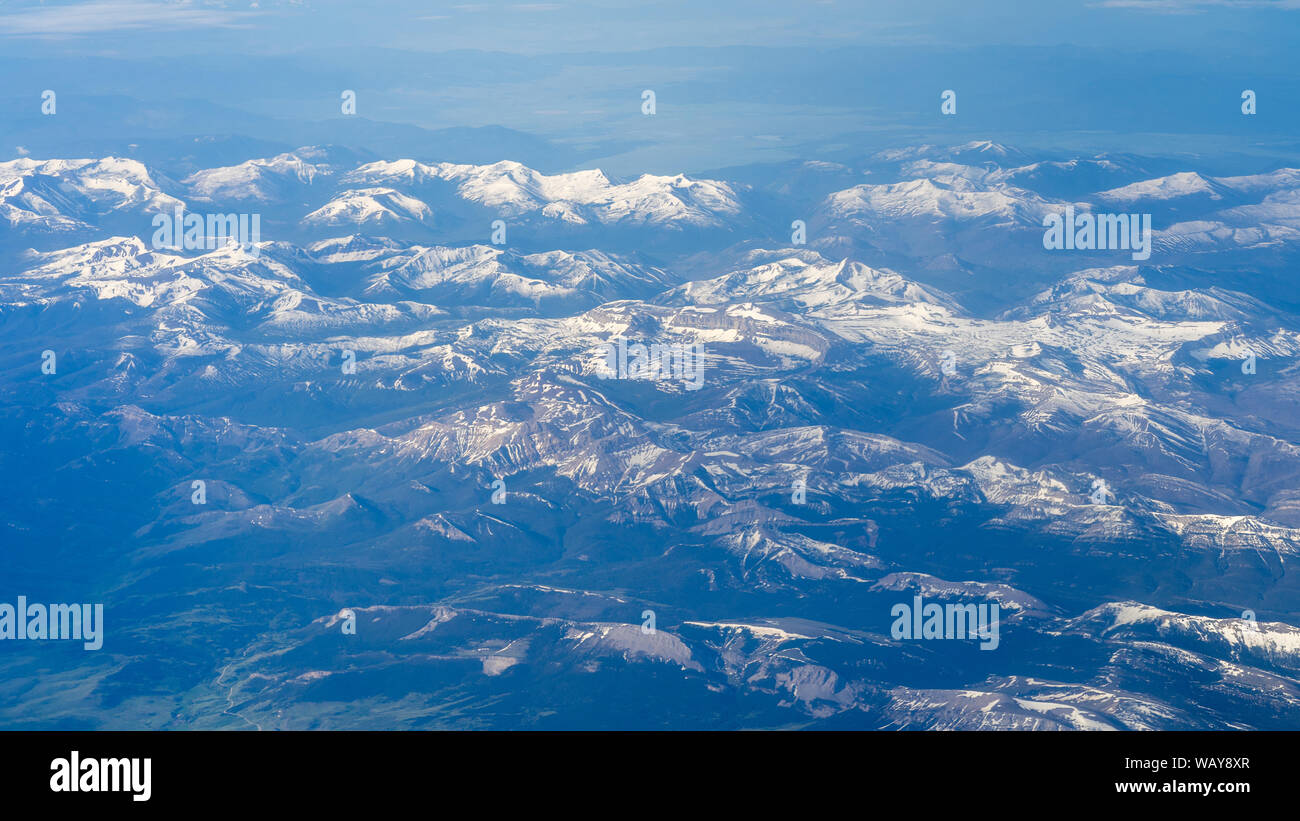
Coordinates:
(397, 413)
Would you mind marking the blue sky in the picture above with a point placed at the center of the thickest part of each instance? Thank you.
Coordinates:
(1228, 26)
(737, 82)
